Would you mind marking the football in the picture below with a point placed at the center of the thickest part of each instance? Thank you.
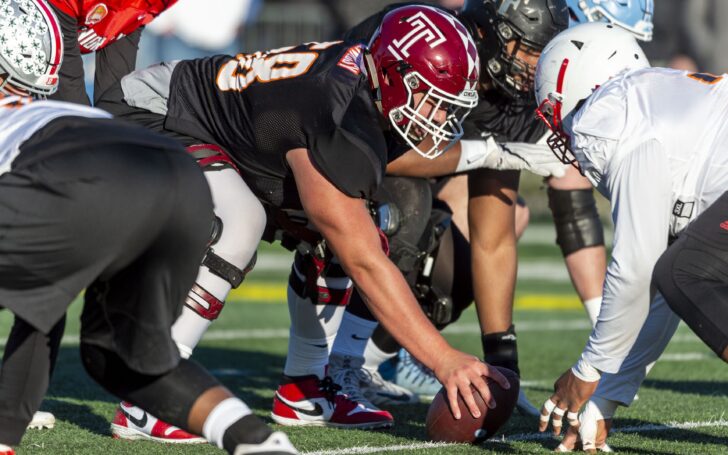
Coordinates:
(442, 426)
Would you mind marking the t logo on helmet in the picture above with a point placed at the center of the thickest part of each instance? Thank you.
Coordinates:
(422, 29)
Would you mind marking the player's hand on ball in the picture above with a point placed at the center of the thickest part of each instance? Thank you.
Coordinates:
(457, 371)
(570, 395)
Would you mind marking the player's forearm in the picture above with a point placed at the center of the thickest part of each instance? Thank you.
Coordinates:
(391, 301)
(411, 164)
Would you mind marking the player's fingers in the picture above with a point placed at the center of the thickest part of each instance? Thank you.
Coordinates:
(573, 419)
(546, 410)
(498, 377)
(452, 398)
(569, 442)
(482, 387)
(467, 394)
(557, 419)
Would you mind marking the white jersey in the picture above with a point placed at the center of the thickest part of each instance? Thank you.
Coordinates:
(655, 142)
(17, 124)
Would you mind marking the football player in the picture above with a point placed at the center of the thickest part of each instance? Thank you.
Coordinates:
(111, 30)
(651, 141)
(293, 137)
(579, 230)
(509, 36)
(72, 220)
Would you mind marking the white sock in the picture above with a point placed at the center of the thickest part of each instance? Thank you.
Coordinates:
(373, 356)
(4, 447)
(313, 330)
(354, 335)
(592, 307)
(190, 327)
(222, 416)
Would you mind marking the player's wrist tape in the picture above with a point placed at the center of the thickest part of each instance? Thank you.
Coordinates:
(584, 371)
(473, 153)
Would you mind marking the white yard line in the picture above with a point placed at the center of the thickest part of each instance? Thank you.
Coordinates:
(521, 437)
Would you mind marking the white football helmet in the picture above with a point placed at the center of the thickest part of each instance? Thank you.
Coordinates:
(31, 47)
(574, 64)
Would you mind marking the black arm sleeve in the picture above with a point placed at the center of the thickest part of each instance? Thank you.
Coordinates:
(71, 85)
(114, 62)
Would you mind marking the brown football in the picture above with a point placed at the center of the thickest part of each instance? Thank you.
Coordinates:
(442, 426)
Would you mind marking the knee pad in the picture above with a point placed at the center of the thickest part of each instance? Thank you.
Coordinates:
(320, 279)
(167, 396)
(576, 218)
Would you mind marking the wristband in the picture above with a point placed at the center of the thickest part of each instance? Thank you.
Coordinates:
(584, 371)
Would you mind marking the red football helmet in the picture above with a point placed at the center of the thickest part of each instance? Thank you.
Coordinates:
(423, 66)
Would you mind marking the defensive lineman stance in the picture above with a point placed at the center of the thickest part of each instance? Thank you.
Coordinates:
(299, 128)
(652, 140)
(71, 220)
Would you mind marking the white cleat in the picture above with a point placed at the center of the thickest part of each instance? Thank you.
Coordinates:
(42, 420)
(367, 386)
(276, 444)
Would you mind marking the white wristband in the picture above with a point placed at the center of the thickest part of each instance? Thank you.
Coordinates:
(584, 371)
(473, 153)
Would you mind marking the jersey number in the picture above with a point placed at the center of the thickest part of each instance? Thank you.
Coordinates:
(237, 74)
(705, 78)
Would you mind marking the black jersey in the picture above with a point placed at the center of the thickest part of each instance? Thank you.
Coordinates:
(259, 106)
(506, 119)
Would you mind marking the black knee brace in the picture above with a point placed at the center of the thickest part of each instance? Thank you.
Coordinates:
(167, 396)
(576, 218)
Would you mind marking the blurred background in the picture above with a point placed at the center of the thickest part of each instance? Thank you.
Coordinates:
(687, 34)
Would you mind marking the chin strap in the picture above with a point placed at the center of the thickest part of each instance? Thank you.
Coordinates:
(371, 71)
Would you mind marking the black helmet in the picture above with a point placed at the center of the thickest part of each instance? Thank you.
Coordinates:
(530, 24)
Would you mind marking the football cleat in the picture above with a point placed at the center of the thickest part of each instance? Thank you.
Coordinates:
(415, 377)
(525, 408)
(42, 420)
(276, 444)
(308, 400)
(367, 386)
(131, 422)
(6, 450)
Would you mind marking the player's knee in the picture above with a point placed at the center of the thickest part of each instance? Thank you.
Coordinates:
(576, 218)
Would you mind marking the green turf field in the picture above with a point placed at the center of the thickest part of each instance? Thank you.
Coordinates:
(680, 409)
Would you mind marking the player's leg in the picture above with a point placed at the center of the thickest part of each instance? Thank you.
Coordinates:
(318, 291)
(239, 223)
(692, 275)
(580, 234)
(129, 311)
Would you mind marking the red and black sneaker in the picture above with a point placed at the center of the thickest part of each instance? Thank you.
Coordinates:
(308, 400)
(131, 422)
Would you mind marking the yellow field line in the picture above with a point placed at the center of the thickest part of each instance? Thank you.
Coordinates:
(276, 293)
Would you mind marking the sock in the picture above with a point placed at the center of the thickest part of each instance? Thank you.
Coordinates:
(313, 328)
(353, 336)
(500, 349)
(190, 326)
(222, 417)
(373, 356)
(592, 307)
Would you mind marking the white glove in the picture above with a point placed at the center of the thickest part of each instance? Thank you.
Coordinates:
(509, 156)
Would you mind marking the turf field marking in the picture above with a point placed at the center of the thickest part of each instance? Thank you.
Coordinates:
(523, 437)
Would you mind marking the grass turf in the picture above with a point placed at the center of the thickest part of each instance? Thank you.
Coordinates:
(688, 386)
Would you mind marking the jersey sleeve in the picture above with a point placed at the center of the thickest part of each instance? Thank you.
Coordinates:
(641, 190)
(353, 157)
